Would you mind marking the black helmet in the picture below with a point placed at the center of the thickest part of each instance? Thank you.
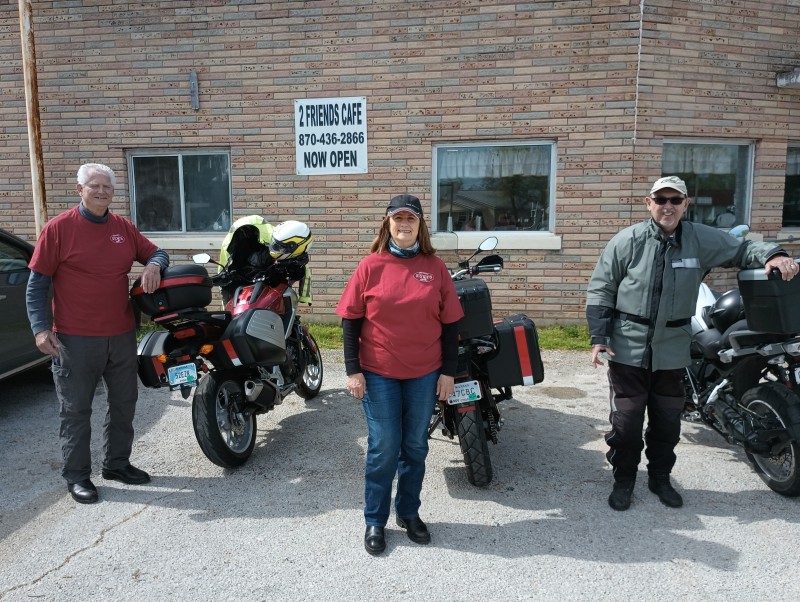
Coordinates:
(727, 310)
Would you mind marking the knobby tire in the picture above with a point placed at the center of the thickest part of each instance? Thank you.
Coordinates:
(472, 438)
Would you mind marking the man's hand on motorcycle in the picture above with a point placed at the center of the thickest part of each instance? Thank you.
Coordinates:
(787, 266)
(445, 386)
(151, 278)
(596, 351)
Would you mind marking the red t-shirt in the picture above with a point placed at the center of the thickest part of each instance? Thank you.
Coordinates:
(89, 265)
(404, 303)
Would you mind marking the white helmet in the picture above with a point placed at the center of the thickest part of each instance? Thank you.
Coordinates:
(290, 239)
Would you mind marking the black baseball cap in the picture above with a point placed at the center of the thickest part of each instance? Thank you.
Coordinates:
(405, 202)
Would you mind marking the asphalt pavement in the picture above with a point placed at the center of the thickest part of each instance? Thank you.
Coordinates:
(288, 525)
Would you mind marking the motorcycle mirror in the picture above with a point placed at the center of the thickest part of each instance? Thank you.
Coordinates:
(489, 244)
(201, 258)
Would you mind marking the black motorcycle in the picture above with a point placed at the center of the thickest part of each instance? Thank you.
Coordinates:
(490, 356)
(744, 378)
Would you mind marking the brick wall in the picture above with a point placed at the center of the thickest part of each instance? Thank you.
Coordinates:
(114, 77)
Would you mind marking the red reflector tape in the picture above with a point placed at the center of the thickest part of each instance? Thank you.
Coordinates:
(231, 352)
(524, 356)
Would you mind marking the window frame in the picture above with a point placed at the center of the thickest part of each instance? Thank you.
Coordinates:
(507, 239)
(791, 146)
(179, 153)
(748, 183)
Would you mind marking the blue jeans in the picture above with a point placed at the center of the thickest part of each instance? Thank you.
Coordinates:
(398, 415)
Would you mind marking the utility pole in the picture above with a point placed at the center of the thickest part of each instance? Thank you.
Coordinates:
(32, 108)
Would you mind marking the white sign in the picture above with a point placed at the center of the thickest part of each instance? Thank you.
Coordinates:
(331, 135)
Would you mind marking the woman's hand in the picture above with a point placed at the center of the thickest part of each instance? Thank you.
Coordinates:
(445, 387)
(356, 384)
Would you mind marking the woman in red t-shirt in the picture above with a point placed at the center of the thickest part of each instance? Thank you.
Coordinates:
(399, 315)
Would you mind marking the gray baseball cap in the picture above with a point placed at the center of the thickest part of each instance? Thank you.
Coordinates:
(673, 182)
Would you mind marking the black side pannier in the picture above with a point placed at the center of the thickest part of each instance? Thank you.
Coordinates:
(518, 360)
(477, 305)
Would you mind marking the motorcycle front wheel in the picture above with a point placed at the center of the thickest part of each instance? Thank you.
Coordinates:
(226, 434)
(310, 381)
(472, 438)
(779, 468)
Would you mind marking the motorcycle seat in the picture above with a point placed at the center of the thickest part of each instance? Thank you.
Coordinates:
(739, 336)
(709, 342)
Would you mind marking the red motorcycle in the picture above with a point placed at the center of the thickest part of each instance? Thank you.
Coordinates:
(242, 361)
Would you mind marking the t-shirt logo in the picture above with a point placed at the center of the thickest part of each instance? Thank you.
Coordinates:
(117, 239)
(424, 277)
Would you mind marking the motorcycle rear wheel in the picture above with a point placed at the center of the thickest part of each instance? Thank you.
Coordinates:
(226, 436)
(779, 470)
(472, 438)
(310, 381)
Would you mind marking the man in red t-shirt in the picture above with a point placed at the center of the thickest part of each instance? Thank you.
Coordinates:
(85, 255)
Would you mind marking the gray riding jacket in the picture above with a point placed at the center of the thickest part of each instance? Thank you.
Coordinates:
(643, 291)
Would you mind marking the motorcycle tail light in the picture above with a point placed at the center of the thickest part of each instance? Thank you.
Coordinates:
(206, 349)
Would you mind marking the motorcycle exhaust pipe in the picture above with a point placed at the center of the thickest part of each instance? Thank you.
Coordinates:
(263, 393)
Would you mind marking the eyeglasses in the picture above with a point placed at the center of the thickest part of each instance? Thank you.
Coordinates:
(662, 200)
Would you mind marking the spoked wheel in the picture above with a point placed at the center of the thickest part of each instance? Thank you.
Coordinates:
(472, 438)
(773, 405)
(226, 433)
(310, 381)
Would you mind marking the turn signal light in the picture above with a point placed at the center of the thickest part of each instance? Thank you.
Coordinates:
(206, 349)
(162, 358)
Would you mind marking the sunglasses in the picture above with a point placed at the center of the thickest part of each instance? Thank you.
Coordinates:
(662, 200)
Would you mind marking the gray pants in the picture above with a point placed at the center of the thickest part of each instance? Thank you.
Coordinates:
(76, 373)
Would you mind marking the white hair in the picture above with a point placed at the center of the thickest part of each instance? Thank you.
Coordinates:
(87, 168)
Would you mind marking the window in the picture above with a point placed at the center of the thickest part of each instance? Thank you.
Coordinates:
(13, 259)
(181, 192)
(493, 187)
(791, 189)
(717, 176)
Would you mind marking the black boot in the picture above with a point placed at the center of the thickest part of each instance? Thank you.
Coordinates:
(374, 540)
(620, 498)
(660, 485)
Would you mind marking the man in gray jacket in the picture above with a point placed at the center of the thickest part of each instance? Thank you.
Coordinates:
(639, 304)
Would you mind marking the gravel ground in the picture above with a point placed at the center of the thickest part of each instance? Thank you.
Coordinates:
(288, 524)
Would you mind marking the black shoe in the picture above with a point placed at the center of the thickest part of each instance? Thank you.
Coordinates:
(620, 498)
(83, 492)
(415, 528)
(660, 485)
(127, 474)
(374, 540)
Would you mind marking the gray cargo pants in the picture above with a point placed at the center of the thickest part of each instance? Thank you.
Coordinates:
(76, 373)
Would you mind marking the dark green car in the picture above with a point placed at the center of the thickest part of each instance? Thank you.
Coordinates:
(18, 350)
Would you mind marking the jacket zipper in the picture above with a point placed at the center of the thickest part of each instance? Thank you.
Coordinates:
(655, 301)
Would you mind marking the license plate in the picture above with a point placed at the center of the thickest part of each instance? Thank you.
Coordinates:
(465, 392)
(184, 374)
